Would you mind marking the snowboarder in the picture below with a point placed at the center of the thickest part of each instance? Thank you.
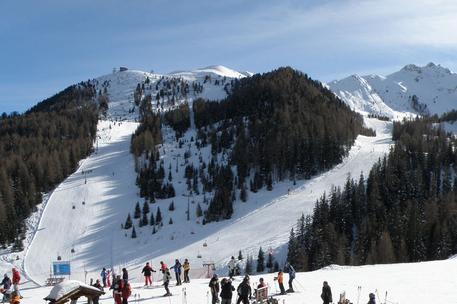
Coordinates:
(166, 281)
(291, 277)
(372, 299)
(177, 268)
(326, 295)
(186, 267)
(244, 291)
(117, 289)
(280, 279)
(227, 290)
(125, 275)
(147, 271)
(163, 266)
(97, 285)
(104, 275)
(214, 287)
(232, 266)
(126, 292)
(16, 280)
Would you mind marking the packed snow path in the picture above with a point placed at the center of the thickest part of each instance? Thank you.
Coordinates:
(81, 222)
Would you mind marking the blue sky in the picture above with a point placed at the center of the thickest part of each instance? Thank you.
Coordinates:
(47, 45)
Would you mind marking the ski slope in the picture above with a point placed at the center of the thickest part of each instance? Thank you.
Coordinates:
(418, 283)
(90, 235)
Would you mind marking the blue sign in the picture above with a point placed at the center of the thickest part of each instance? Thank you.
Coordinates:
(61, 268)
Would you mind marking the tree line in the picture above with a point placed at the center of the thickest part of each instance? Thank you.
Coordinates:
(404, 211)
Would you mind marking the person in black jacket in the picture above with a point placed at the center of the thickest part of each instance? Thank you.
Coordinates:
(244, 291)
(125, 275)
(214, 287)
(97, 285)
(227, 290)
(326, 295)
(147, 272)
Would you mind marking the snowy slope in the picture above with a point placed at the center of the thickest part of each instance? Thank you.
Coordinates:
(418, 283)
(434, 86)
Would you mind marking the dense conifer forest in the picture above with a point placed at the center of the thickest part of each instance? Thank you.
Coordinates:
(39, 149)
(405, 210)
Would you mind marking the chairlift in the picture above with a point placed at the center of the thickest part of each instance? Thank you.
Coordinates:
(72, 250)
(59, 258)
(199, 256)
(205, 244)
(74, 207)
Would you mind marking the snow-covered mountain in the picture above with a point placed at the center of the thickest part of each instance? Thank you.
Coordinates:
(431, 89)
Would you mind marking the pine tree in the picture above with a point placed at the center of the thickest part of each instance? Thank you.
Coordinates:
(261, 261)
(249, 265)
(128, 222)
(137, 213)
(158, 216)
(240, 256)
(172, 206)
(243, 193)
(144, 220)
(145, 207)
(133, 233)
(275, 266)
(170, 222)
(270, 261)
(154, 230)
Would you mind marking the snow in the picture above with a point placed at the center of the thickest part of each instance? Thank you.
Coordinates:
(434, 86)
(419, 283)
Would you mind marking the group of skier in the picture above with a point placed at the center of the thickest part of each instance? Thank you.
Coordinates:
(10, 288)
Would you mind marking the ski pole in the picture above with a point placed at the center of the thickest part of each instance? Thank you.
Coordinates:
(385, 298)
(359, 290)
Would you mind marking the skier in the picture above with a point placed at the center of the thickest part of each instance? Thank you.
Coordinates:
(186, 267)
(177, 268)
(125, 275)
(214, 287)
(227, 290)
(372, 299)
(280, 279)
(166, 281)
(147, 271)
(126, 292)
(291, 277)
(261, 293)
(326, 295)
(117, 289)
(104, 275)
(6, 288)
(232, 266)
(97, 285)
(16, 280)
(110, 276)
(163, 266)
(244, 291)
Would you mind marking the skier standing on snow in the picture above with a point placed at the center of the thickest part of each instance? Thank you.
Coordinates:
(227, 290)
(261, 292)
(166, 281)
(16, 280)
(244, 291)
(177, 268)
(147, 271)
(6, 291)
(104, 275)
(117, 289)
(97, 285)
(186, 267)
(372, 299)
(125, 275)
(291, 277)
(231, 266)
(214, 287)
(126, 292)
(280, 279)
(326, 295)
(163, 266)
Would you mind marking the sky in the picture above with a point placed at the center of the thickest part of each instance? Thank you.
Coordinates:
(48, 45)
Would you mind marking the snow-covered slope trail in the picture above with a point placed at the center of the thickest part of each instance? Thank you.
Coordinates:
(90, 236)
(82, 215)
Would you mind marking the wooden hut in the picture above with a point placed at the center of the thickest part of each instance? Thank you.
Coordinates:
(71, 291)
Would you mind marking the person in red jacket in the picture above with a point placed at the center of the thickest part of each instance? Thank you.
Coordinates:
(163, 267)
(16, 280)
(126, 292)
